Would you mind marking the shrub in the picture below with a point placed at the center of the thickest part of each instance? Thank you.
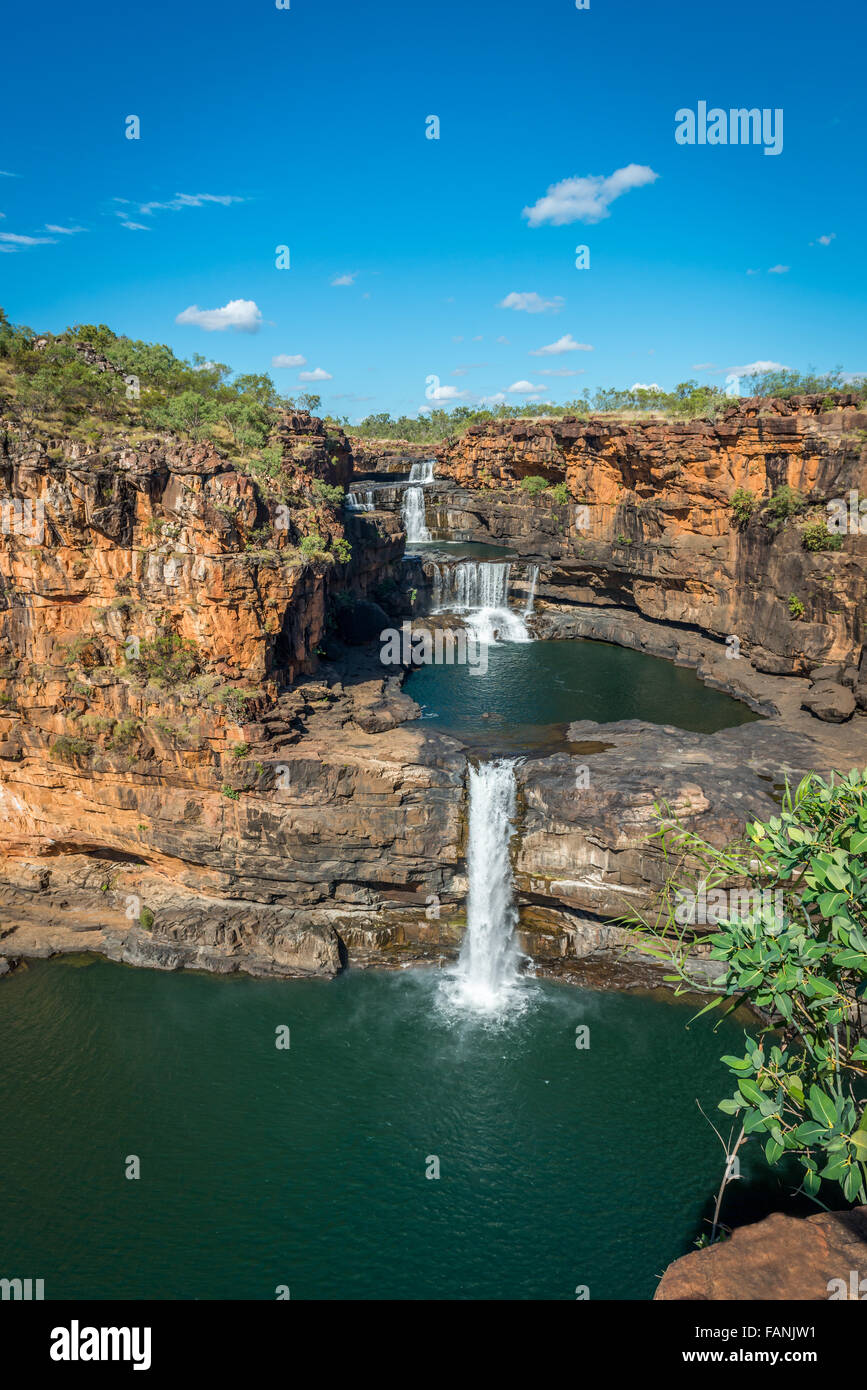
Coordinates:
(743, 504)
(560, 493)
(796, 607)
(167, 660)
(785, 503)
(816, 536)
(332, 495)
(146, 918)
(66, 749)
(342, 550)
(230, 792)
(799, 1086)
(312, 545)
(534, 484)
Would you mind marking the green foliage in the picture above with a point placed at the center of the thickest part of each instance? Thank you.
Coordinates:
(312, 545)
(560, 493)
(743, 504)
(785, 503)
(796, 607)
(786, 382)
(333, 496)
(534, 484)
(229, 792)
(342, 550)
(168, 660)
(816, 536)
(66, 749)
(800, 1086)
(146, 919)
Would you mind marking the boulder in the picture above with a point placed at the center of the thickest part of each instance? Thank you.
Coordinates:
(829, 701)
(780, 1258)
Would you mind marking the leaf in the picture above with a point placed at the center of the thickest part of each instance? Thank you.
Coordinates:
(822, 1107)
(859, 1140)
(773, 1151)
(750, 1091)
(852, 1184)
(830, 902)
(737, 1063)
(809, 1132)
(812, 1183)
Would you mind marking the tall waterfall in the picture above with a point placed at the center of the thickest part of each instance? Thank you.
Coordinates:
(531, 593)
(486, 973)
(412, 513)
(412, 507)
(480, 590)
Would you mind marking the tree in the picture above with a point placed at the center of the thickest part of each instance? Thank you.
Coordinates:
(799, 955)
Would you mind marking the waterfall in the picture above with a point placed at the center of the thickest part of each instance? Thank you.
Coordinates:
(354, 505)
(480, 590)
(422, 472)
(531, 596)
(412, 513)
(486, 973)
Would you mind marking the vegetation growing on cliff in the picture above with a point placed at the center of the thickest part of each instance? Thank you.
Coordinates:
(798, 953)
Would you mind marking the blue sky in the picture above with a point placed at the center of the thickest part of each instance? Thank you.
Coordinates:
(309, 125)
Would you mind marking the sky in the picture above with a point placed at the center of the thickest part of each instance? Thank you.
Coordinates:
(426, 272)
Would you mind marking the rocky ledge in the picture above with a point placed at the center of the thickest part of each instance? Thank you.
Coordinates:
(780, 1258)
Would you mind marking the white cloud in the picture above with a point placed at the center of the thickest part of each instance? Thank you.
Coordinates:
(754, 272)
(316, 375)
(565, 344)
(344, 279)
(498, 399)
(522, 387)
(562, 371)
(645, 386)
(27, 240)
(587, 199)
(778, 270)
(64, 231)
(503, 340)
(704, 367)
(752, 367)
(448, 393)
(244, 315)
(5, 174)
(284, 359)
(187, 200)
(531, 302)
(135, 226)
(825, 240)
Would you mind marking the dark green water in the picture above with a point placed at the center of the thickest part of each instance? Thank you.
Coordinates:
(461, 550)
(532, 690)
(306, 1167)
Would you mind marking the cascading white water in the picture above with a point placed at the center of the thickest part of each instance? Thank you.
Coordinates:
(480, 590)
(486, 977)
(531, 594)
(412, 507)
(355, 504)
(412, 513)
(422, 472)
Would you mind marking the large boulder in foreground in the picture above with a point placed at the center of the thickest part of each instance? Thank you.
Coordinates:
(780, 1258)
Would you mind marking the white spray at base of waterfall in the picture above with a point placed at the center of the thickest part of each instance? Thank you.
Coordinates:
(485, 979)
(479, 592)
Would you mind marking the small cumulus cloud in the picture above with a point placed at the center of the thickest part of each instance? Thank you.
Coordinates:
(645, 386)
(344, 279)
(503, 340)
(64, 231)
(448, 393)
(586, 199)
(498, 399)
(779, 270)
(244, 315)
(752, 368)
(521, 388)
(285, 359)
(565, 344)
(824, 240)
(187, 200)
(318, 374)
(531, 303)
